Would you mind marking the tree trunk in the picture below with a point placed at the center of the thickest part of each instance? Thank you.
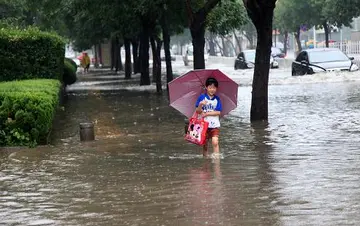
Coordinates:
(220, 48)
(155, 63)
(232, 45)
(118, 64)
(197, 29)
(113, 53)
(327, 31)
(275, 37)
(96, 64)
(128, 70)
(238, 43)
(100, 55)
(261, 15)
(156, 49)
(166, 38)
(226, 52)
(212, 44)
(135, 52)
(250, 38)
(286, 37)
(197, 24)
(144, 57)
(158, 71)
(297, 38)
(117, 58)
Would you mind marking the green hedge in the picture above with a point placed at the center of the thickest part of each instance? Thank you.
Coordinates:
(72, 62)
(69, 76)
(30, 53)
(27, 109)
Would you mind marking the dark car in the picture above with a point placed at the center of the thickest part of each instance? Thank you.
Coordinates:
(311, 61)
(246, 60)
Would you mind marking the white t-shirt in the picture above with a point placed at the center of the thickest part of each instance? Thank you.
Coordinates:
(213, 104)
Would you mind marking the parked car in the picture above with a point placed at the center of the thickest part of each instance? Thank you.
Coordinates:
(162, 55)
(246, 59)
(189, 56)
(312, 61)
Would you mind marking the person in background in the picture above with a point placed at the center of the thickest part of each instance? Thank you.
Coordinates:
(85, 62)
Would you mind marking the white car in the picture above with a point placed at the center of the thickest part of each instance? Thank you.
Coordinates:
(189, 56)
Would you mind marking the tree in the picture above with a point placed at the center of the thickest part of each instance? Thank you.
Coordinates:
(149, 20)
(181, 39)
(261, 14)
(249, 31)
(44, 14)
(336, 13)
(172, 21)
(224, 19)
(228, 16)
(11, 11)
(197, 13)
(291, 15)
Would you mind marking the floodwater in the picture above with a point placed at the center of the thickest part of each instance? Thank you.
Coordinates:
(301, 168)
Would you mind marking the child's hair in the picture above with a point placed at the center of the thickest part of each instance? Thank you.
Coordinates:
(211, 81)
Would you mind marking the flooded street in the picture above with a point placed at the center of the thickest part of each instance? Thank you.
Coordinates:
(302, 168)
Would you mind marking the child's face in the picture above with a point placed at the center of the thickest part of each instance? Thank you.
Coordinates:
(211, 89)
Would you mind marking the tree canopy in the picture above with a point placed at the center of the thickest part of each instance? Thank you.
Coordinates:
(228, 16)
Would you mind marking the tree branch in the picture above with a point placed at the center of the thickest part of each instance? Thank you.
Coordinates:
(230, 41)
(189, 11)
(221, 49)
(253, 5)
(209, 5)
(253, 9)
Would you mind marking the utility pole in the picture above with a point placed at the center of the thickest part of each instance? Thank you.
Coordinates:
(341, 39)
(314, 37)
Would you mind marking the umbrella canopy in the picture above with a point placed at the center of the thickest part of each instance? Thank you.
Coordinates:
(185, 90)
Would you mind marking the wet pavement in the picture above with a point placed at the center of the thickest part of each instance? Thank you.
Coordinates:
(301, 168)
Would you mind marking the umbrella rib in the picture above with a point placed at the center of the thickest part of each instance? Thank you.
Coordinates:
(199, 79)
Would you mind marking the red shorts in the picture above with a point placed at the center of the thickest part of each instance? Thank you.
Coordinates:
(212, 132)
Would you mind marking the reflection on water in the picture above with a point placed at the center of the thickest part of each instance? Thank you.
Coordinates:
(301, 168)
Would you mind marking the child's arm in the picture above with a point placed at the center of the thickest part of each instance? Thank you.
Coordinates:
(212, 113)
(199, 108)
(217, 110)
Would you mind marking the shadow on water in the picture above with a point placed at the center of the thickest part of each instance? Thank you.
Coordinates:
(299, 170)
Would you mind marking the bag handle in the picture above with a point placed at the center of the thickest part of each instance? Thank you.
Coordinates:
(196, 115)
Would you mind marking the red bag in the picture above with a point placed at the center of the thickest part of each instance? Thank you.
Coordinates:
(197, 129)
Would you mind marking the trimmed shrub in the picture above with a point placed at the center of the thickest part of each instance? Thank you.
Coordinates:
(27, 109)
(72, 63)
(30, 53)
(69, 76)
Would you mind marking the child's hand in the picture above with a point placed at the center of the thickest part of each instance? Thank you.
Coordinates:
(204, 102)
(204, 114)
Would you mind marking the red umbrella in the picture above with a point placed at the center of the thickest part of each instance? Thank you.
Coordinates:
(185, 90)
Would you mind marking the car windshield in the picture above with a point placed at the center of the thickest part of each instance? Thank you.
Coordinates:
(250, 56)
(327, 56)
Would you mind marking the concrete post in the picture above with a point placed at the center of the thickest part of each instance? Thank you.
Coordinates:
(87, 132)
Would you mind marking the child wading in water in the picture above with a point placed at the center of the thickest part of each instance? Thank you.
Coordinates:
(209, 106)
